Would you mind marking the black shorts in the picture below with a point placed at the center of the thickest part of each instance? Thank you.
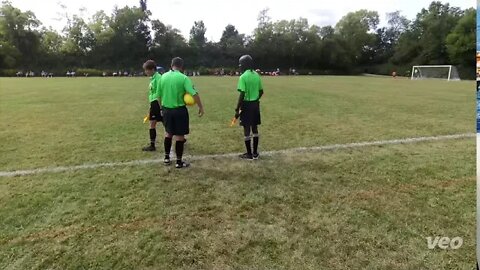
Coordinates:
(250, 115)
(155, 112)
(176, 121)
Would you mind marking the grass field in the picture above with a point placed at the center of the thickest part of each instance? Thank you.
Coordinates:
(364, 208)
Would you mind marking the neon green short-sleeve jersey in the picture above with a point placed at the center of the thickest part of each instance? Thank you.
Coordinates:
(173, 87)
(250, 83)
(154, 87)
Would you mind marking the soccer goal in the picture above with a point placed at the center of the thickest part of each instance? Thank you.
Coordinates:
(446, 72)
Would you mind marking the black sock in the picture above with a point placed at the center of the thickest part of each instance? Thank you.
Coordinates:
(248, 145)
(255, 144)
(167, 143)
(153, 136)
(179, 150)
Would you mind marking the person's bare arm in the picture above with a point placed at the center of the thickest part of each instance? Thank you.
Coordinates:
(239, 104)
(197, 99)
(160, 103)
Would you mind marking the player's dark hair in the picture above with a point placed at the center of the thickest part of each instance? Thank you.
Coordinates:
(150, 65)
(177, 62)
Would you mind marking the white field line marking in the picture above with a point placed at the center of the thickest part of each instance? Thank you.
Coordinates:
(268, 153)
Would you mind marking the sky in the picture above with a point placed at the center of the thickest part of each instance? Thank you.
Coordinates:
(478, 27)
(216, 14)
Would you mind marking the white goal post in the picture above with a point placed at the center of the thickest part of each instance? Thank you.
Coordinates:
(446, 72)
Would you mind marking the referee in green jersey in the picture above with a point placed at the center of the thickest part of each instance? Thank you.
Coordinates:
(248, 106)
(173, 86)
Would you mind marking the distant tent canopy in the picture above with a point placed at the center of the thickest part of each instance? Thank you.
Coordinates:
(160, 69)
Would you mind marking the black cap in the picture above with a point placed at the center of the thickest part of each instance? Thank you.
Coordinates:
(245, 62)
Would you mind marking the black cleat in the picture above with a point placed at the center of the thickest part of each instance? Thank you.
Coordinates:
(255, 156)
(181, 165)
(149, 148)
(246, 156)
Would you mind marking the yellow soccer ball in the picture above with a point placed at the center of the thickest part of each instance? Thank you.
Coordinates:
(188, 99)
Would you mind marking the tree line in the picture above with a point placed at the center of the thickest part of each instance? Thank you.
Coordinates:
(122, 40)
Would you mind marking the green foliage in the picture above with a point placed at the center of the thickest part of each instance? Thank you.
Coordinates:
(124, 39)
(9, 55)
(232, 45)
(197, 34)
(355, 29)
(128, 46)
(425, 40)
(461, 41)
(167, 42)
(79, 38)
(19, 34)
(8, 72)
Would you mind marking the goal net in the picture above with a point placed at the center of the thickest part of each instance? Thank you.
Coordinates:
(446, 72)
